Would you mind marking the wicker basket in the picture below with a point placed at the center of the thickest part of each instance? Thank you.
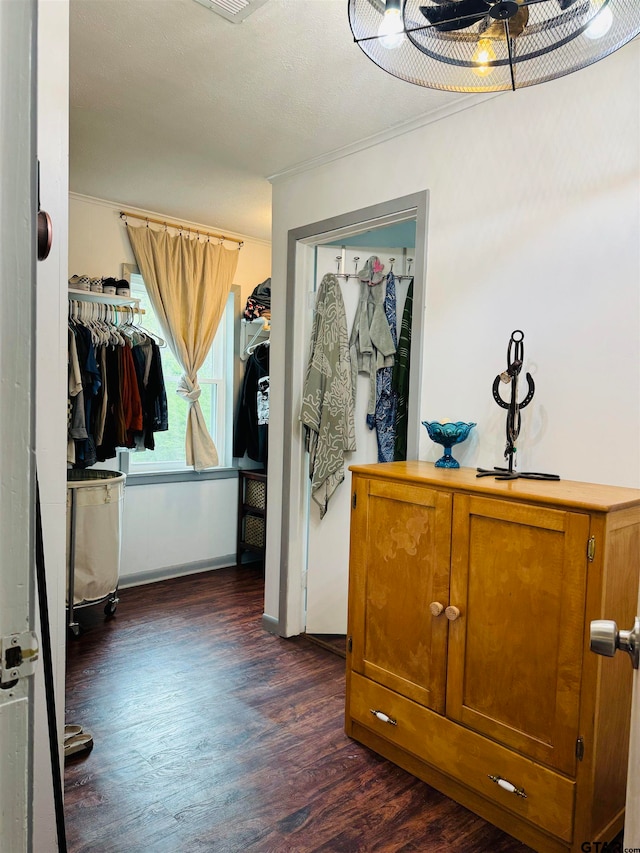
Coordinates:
(254, 530)
(255, 494)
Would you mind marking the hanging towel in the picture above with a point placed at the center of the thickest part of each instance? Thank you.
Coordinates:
(400, 379)
(384, 419)
(327, 399)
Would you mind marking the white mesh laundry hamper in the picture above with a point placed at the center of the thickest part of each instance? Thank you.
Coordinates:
(94, 523)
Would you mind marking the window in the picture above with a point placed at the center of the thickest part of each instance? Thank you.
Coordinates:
(216, 400)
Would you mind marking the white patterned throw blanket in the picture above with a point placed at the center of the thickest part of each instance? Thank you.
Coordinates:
(327, 400)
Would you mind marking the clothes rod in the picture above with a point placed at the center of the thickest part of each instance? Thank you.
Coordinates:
(125, 214)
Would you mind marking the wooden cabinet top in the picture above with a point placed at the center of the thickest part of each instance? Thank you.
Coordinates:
(587, 496)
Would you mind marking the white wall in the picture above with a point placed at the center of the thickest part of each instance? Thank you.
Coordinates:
(51, 359)
(166, 525)
(534, 223)
(98, 243)
(171, 524)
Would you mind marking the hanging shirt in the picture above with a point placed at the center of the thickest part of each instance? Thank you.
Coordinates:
(76, 424)
(91, 382)
(262, 400)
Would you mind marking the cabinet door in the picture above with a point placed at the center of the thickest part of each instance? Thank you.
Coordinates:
(518, 577)
(399, 565)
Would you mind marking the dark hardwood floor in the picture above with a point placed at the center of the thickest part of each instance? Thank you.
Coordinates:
(213, 735)
(336, 643)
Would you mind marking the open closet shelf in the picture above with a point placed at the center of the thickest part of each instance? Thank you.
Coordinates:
(104, 298)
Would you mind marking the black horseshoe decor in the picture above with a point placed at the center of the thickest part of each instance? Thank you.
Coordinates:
(510, 376)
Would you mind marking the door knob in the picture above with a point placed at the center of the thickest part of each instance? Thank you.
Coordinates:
(436, 608)
(452, 613)
(606, 639)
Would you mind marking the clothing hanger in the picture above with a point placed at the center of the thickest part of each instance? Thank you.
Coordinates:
(154, 336)
(249, 348)
(89, 322)
(126, 328)
(103, 314)
(253, 347)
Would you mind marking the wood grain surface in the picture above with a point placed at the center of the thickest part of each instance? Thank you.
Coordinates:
(213, 735)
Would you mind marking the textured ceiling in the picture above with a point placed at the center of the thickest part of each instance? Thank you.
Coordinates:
(176, 110)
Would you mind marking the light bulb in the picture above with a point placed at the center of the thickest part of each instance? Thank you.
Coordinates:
(391, 30)
(483, 55)
(601, 23)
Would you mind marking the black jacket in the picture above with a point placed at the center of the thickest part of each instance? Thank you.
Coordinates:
(250, 436)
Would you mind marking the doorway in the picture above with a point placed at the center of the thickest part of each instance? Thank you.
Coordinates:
(304, 539)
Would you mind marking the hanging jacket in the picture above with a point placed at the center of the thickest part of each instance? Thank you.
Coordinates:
(371, 346)
(251, 433)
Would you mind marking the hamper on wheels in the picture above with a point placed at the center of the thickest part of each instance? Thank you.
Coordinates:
(94, 523)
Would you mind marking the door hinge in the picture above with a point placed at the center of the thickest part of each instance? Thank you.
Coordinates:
(580, 748)
(591, 548)
(354, 500)
(18, 658)
(349, 644)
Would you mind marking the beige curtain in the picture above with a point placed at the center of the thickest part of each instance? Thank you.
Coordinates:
(188, 282)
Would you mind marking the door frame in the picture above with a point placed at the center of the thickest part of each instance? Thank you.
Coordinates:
(18, 165)
(300, 254)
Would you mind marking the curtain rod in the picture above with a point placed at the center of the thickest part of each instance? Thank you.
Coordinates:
(124, 214)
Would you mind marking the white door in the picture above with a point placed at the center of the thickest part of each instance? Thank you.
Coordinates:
(17, 280)
(606, 638)
(632, 819)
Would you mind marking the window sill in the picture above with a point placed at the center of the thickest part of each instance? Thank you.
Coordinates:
(154, 478)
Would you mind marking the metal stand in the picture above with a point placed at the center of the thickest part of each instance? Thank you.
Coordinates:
(515, 359)
(73, 626)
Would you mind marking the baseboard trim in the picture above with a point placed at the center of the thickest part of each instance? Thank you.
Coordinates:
(271, 624)
(168, 572)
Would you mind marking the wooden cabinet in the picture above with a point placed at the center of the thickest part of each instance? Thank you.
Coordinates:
(470, 604)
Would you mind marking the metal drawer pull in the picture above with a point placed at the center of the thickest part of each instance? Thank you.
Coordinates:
(519, 792)
(385, 719)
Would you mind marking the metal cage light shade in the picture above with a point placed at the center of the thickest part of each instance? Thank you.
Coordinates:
(490, 45)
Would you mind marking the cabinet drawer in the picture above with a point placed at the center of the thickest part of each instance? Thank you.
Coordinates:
(467, 757)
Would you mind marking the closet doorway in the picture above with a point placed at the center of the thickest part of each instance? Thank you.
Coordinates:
(314, 551)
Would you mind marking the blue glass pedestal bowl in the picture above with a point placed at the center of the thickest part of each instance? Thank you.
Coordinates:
(447, 434)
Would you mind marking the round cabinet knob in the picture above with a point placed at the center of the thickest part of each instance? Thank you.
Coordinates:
(436, 608)
(452, 613)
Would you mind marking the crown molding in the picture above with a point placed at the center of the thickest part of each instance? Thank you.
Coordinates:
(193, 226)
(466, 102)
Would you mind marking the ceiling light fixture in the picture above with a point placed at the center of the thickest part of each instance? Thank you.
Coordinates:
(489, 45)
